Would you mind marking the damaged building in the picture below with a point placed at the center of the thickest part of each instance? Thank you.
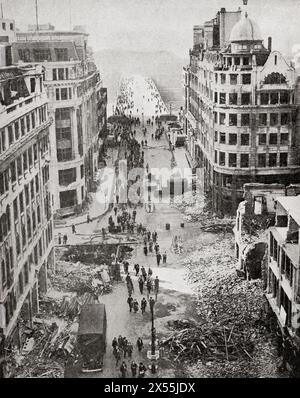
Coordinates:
(26, 220)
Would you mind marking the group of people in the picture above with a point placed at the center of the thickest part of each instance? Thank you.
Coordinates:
(124, 219)
(150, 243)
(122, 348)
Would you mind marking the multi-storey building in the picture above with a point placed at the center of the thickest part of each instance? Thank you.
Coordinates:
(283, 288)
(240, 117)
(77, 104)
(26, 221)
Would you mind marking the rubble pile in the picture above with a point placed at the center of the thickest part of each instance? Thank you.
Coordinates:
(233, 319)
(195, 210)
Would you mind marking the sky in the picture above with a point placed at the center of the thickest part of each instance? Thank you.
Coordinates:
(147, 25)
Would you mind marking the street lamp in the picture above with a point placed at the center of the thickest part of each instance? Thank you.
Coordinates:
(153, 354)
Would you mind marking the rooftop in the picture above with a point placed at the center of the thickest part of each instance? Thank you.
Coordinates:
(245, 30)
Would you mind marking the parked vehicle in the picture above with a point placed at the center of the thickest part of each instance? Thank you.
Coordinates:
(91, 336)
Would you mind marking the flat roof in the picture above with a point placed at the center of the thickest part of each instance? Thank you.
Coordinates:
(292, 205)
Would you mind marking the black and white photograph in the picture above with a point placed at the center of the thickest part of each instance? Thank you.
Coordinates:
(149, 191)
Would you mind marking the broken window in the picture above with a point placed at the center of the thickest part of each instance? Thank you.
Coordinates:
(284, 119)
(283, 159)
(232, 139)
(245, 99)
(261, 160)
(222, 98)
(232, 160)
(262, 139)
(222, 118)
(272, 159)
(244, 160)
(284, 139)
(273, 139)
(246, 78)
(258, 203)
(273, 119)
(232, 119)
(264, 98)
(233, 99)
(233, 78)
(222, 158)
(245, 119)
(263, 119)
(244, 139)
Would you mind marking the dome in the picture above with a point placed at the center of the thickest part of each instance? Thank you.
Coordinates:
(245, 30)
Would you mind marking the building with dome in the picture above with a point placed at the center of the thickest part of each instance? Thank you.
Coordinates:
(240, 110)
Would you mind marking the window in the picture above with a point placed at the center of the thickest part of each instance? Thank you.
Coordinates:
(33, 120)
(30, 160)
(216, 97)
(232, 119)
(17, 132)
(57, 94)
(28, 123)
(283, 159)
(32, 85)
(10, 135)
(222, 138)
(61, 74)
(232, 139)
(216, 137)
(284, 119)
(222, 118)
(13, 171)
(233, 78)
(82, 168)
(232, 160)
(63, 155)
(233, 99)
(222, 98)
(245, 99)
(25, 161)
(67, 176)
(27, 195)
(244, 139)
(32, 189)
(3, 25)
(54, 74)
(264, 98)
(273, 119)
(64, 94)
(42, 54)
(246, 61)
(261, 160)
(244, 160)
(216, 156)
(237, 61)
(272, 159)
(16, 211)
(68, 198)
(222, 158)
(284, 139)
(37, 184)
(35, 152)
(284, 98)
(19, 166)
(245, 119)
(21, 201)
(11, 26)
(223, 78)
(246, 78)
(262, 119)
(273, 139)
(61, 54)
(274, 99)
(262, 139)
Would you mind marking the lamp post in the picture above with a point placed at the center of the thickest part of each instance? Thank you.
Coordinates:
(153, 354)
(152, 331)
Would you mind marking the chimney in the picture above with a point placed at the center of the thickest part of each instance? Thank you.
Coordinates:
(270, 43)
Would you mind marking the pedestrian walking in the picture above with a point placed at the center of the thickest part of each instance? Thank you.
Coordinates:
(144, 273)
(156, 287)
(150, 272)
(158, 258)
(130, 303)
(117, 199)
(137, 269)
(59, 239)
(135, 306)
(156, 247)
(134, 215)
(143, 305)
(114, 343)
(118, 356)
(145, 250)
(123, 369)
(149, 286)
(140, 344)
(125, 266)
(151, 303)
(141, 284)
(129, 350)
(133, 368)
(120, 341)
(142, 370)
(88, 219)
(65, 239)
(73, 229)
(115, 210)
(165, 257)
